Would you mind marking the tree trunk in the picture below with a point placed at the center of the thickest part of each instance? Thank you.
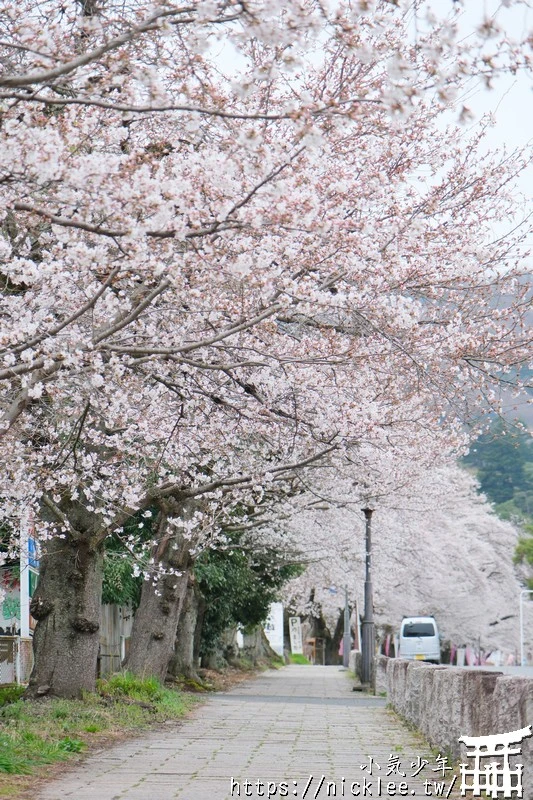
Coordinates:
(66, 605)
(224, 652)
(156, 620)
(333, 644)
(183, 660)
(327, 649)
(201, 607)
(256, 647)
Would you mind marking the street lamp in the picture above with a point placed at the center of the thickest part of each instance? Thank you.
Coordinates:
(523, 662)
(368, 634)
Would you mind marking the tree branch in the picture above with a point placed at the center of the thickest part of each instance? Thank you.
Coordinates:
(58, 514)
(77, 314)
(93, 55)
(187, 348)
(134, 313)
(173, 490)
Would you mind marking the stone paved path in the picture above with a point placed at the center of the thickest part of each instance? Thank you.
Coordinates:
(298, 731)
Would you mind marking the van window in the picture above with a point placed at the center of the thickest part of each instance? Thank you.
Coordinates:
(419, 629)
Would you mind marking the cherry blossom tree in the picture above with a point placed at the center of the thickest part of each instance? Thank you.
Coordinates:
(236, 241)
(436, 541)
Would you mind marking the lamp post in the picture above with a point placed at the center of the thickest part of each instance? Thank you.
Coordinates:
(368, 633)
(523, 662)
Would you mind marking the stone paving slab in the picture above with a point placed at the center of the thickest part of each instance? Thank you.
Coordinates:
(299, 732)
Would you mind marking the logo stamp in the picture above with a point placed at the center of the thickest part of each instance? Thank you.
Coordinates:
(492, 771)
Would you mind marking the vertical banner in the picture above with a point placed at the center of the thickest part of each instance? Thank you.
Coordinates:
(25, 530)
(29, 573)
(274, 628)
(295, 632)
(357, 629)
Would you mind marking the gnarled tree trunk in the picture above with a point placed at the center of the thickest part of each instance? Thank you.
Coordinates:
(156, 620)
(256, 647)
(334, 642)
(184, 661)
(66, 605)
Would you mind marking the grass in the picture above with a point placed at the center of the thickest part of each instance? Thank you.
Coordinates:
(34, 735)
(297, 658)
(10, 693)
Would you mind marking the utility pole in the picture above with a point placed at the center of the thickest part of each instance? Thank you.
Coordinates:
(368, 634)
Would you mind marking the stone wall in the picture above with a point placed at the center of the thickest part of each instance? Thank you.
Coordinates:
(445, 703)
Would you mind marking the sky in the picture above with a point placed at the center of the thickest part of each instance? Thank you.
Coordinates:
(511, 98)
(511, 102)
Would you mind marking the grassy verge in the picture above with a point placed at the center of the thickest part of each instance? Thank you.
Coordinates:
(297, 658)
(35, 735)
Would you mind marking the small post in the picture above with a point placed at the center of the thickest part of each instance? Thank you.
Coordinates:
(368, 644)
(347, 639)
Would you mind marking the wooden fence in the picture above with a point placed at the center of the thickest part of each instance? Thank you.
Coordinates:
(16, 653)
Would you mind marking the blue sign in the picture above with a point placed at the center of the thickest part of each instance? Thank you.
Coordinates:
(33, 556)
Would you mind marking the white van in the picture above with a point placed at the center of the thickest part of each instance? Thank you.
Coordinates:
(419, 639)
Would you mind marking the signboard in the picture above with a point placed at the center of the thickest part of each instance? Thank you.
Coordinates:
(295, 632)
(274, 628)
(33, 553)
(18, 580)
